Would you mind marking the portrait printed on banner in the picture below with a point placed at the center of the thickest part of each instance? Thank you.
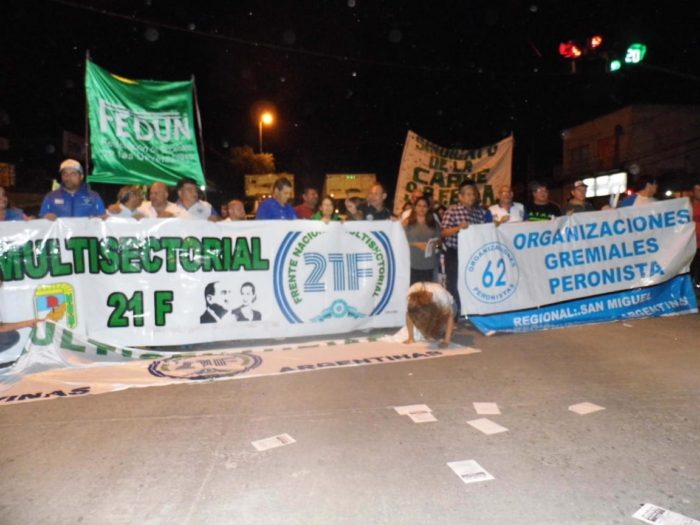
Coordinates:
(217, 298)
(245, 311)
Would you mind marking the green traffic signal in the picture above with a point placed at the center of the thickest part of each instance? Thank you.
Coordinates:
(635, 53)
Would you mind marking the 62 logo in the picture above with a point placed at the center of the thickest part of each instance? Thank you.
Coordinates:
(322, 276)
(491, 275)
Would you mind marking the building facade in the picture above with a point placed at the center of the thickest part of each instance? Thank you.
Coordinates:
(658, 140)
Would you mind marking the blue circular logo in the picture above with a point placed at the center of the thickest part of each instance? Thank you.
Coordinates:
(328, 275)
(491, 274)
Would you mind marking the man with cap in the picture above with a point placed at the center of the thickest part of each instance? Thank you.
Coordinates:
(577, 202)
(73, 198)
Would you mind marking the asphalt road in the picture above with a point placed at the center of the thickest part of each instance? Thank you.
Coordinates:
(183, 454)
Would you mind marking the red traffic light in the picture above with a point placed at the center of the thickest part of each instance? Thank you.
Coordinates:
(570, 50)
(595, 42)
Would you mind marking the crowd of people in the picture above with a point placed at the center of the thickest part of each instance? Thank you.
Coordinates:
(432, 230)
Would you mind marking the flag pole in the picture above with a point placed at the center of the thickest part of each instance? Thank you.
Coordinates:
(199, 130)
(87, 119)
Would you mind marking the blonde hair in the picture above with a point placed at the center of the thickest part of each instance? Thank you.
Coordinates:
(427, 316)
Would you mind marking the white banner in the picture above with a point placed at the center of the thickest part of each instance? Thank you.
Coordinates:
(439, 171)
(174, 282)
(519, 266)
(57, 363)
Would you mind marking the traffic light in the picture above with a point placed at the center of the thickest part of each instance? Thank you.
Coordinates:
(570, 50)
(595, 42)
(574, 49)
(634, 54)
(589, 49)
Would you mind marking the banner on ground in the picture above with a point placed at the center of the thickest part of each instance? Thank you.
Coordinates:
(58, 363)
(174, 281)
(439, 171)
(141, 131)
(583, 268)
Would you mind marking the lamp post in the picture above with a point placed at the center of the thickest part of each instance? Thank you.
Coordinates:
(265, 118)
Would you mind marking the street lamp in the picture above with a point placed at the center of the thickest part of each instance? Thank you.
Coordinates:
(265, 118)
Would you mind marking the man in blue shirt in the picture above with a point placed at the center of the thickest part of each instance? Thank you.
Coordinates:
(73, 198)
(277, 206)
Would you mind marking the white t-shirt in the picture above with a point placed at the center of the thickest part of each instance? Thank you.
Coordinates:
(199, 210)
(515, 214)
(441, 296)
(124, 212)
(641, 200)
(147, 210)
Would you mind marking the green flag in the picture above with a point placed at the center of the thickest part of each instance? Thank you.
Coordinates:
(141, 131)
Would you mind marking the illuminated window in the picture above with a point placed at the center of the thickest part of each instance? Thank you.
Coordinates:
(606, 184)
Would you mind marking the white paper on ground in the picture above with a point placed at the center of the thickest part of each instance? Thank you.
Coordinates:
(469, 471)
(273, 442)
(487, 426)
(649, 513)
(487, 409)
(407, 409)
(422, 417)
(585, 408)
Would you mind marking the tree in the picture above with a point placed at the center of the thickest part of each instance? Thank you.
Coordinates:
(245, 161)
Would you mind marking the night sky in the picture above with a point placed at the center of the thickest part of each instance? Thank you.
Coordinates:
(348, 78)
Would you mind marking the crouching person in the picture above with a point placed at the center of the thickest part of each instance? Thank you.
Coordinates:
(430, 311)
